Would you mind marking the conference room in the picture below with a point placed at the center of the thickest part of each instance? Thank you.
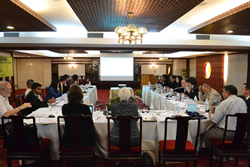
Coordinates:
(132, 45)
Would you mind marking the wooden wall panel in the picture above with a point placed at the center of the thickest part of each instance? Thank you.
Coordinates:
(216, 79)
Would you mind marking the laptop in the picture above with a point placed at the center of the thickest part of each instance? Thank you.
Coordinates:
(192, 107)
(91, 109)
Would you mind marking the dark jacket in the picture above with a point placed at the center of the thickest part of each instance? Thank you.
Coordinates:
(35, 102)
(65, 88)
(194, 92)
(78, 109)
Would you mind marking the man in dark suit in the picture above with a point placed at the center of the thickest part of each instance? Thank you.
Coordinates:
(33, 98)
(63, 87)
(192, 88)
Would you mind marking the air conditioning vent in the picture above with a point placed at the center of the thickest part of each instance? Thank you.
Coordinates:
(12, 34)
(95, 35)
(203, 37)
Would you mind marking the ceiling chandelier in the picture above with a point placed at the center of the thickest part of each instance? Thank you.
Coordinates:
(163, 58)
(68, 57)
(130, 32)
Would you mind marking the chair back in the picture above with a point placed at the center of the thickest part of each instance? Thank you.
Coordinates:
(241, 128)
(124, 133)
(73, 122)
(181, 134)
(19, 100)
(17, 137)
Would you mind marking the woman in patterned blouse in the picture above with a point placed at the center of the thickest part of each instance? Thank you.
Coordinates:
(121, 109)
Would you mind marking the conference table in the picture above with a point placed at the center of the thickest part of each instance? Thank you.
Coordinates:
(115, 90)
(152, 132)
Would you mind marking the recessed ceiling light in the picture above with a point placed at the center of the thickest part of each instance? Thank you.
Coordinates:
(204, 4)
(10, 27)
(230, 31)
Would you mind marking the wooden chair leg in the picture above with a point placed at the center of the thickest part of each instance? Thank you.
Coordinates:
(93, 161)
(9, 162)
(23, 162)
(61, 163)
(221, 161)
(211, 159)
(236, 161)
(195, 163)
(159, 159)
(187, 164)
(248, 161)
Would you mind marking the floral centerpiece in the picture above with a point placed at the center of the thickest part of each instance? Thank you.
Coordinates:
(117, 99)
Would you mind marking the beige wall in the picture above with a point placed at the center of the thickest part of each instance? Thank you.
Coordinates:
(192, 66)
(37, 69)
(178, 64)
(237, 70)
(153, 69)
(78, 69)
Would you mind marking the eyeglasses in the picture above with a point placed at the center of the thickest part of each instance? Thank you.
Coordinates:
(8, 89)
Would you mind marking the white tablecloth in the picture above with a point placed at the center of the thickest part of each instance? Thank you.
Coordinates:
(159, 101)
(152, 132)
(114, 91)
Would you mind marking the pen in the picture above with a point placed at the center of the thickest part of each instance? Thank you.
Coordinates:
(98, 118)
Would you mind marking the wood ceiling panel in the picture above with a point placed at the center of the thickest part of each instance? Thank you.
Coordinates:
(15, 13)
(236, 20)
(105, 15)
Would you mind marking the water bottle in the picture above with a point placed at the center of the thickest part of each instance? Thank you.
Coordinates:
(151, 106)
(207, 107)
(149, 83)
(182, 98)
(176, 109)
(178, 96)
(195, 99)
(89, 83)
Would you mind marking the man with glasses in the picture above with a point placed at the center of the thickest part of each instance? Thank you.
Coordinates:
(33, 98)
(5, 108)
(231, 105)
(206, 92)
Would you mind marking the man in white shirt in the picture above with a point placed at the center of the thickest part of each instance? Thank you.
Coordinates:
(5, 108)
(231, 105)
(29, 83)
(209, 93)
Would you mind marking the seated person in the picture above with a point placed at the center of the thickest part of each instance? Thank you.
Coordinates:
(74, 80)
(5, 108)
(231, 105)
(192, 88)
(121, 109)
(173, 81)
(53, 91)
(75, 106)
(29, 83)
(184, 84)
(63, 87)
(165, 81)
(33, 98)
(209, 93)
(179, 88)
(246, 94)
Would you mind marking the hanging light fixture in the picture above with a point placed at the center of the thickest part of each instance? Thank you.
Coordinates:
(163, 58)
(131, 32)
(68, 57)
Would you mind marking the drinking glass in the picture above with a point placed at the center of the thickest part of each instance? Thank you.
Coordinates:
(98, 110)
(50, 106)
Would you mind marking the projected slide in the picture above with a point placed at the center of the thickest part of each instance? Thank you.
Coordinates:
(117, 69)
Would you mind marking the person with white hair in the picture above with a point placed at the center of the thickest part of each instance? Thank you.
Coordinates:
(5, 108)
(124, 108)
(207, 92)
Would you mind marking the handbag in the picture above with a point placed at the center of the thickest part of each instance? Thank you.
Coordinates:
(29, 131)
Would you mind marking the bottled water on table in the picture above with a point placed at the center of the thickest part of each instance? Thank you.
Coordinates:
(176, 109)
(182, 98)
(195, 99)
(151, 106)
(178, 96)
